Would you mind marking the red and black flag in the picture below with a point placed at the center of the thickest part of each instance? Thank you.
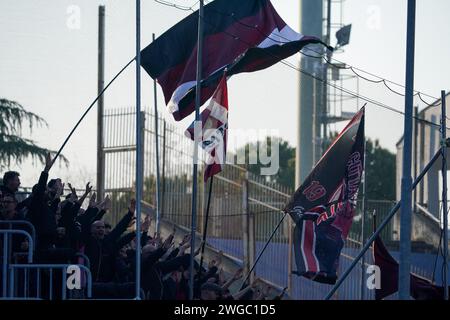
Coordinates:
(420, 288)
(323, 207)
(213, 131)
(240, 36)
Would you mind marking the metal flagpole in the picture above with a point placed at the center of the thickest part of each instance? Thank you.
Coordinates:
(100, 105)
(444, 189)
(380, 228)
(195, 157)
(406, 210)
(158, 212)
(263, 249)
(363, 217)
(139, 155)
(205, 228)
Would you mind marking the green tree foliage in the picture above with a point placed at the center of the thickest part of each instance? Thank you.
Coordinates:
(286, 173)
(380, 172)
(380, 166)
(13, 147)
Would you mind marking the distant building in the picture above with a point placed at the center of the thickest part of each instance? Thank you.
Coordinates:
(427, 196)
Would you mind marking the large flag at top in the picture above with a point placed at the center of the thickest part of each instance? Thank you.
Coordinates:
(213, 130)
(323, 206)
(241, 36)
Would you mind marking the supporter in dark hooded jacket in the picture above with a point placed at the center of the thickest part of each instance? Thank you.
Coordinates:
(101, 249)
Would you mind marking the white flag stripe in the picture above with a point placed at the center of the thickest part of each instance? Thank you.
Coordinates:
(218, 111)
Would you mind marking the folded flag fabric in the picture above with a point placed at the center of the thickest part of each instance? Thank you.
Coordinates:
(242, 36)
(420, 288)
(323, 206)
(212, 130)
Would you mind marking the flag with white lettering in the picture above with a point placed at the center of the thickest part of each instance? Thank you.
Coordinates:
(323, 206)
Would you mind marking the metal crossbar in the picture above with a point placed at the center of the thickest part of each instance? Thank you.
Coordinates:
(7, 252)
(11, 223)
(50, 267)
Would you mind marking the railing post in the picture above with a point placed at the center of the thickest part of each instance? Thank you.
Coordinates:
(290, 254)
(5, 264)
(163, 172)
(245, 225)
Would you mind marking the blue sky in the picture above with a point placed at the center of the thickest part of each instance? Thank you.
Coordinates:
(50, 67)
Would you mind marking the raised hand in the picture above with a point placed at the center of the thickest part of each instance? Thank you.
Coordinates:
(107, 204)
(132, 222)
(197, 252)
(146, 224)
(48, 162)
(132, 206)
(168, 242)
(73, 193)
(92, 200)
(88, 188)
(186, 239)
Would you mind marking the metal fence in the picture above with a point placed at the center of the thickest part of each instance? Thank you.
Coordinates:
(244, 208)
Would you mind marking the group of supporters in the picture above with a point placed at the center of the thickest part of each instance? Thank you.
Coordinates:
(63, 229)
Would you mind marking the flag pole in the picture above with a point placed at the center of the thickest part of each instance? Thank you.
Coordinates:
(363, 217)
(205, 227)
(139, 155)
(406, 209)
(158, 210)
(380, 228)
(444, 190)
(263, 249)
(195, 157)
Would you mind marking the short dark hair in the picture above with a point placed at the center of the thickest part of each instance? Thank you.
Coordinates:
(9, 176)
(52, 182)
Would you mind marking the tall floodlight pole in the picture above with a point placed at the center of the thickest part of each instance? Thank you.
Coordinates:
(158, 210)
(406, 210)
(100, 105)
(311, 18)
(324, 109)
(444, 190)
(139, 153)
(195, 157)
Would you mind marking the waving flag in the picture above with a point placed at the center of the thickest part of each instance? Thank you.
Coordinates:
(323, 207)
(242, 36)
(213, 131)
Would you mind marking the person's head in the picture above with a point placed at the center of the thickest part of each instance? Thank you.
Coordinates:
(11, 180)
(60, 232)
(98, 229)
(107, 228)
(53, 186)
(148, 249)
(210, 291)
(8, 207)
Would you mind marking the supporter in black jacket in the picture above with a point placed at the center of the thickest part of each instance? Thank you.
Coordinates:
(100, 249)
(41, 211)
